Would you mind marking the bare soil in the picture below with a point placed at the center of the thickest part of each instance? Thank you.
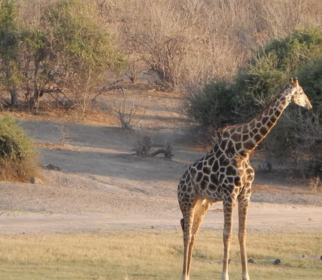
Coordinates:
(102, 185)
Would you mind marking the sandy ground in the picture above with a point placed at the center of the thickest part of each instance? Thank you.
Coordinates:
(102, 186)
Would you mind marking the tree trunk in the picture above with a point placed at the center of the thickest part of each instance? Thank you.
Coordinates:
(14, 97)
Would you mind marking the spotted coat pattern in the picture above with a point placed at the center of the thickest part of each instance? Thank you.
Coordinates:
(225, 174)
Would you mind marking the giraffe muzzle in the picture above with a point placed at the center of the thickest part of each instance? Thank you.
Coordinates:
(308, 105)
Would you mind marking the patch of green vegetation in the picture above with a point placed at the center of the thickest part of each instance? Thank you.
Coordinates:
(18, 158)
(298, 131)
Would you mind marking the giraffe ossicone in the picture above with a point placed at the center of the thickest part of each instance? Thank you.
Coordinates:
(225, 174)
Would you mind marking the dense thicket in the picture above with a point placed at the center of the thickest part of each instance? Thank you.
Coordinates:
(298, 133)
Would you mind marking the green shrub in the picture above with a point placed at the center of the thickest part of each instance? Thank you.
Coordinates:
(214, 105)
(18, 158)
(275, 63)
(298, 132)
(221, 103)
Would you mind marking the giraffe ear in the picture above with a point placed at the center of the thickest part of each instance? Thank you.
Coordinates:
(291, 80)
(296, 81)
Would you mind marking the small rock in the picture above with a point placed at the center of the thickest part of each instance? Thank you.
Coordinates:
(52, 167)
(321, 257)
(35, 180)
(250, 260)
(277, 261)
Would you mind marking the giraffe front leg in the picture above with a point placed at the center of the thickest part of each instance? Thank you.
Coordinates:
(242, 215)
(228, 220)
(186, 224)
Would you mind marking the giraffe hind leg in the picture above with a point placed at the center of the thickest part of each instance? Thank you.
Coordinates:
(182, 224)
(200, 210)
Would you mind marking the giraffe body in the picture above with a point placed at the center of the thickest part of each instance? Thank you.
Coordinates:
(225, 174)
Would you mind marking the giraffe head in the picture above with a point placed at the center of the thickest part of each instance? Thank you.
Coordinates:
(297, 94)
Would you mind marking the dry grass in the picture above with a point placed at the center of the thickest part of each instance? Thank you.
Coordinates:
(154, 255)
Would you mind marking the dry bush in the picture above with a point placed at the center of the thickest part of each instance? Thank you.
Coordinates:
(20, 171)
(315, 185)
(189, 42)
(127, 111)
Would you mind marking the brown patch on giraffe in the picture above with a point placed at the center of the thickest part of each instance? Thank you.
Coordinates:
(255, 130)
(230, 148)
(232, 131)
(193, 172)
(206, 170)
(264, 120)
(238, 146)
(226, 134)
(250, 177)
(230, 170)
(224, 161)
(249, 145)
(239, 129)
(245, 137)
(199, 166)
(249, 171)
(273, 119)
(214, 179)
(215, 167)
(227, 193)
(277, 113)
(263, 130)
(240, 172)
(236, 137)
(271, 111)
(203, 184)
(257, 138)
(221, 178)
(237, 181)
(212, 188)
(223, 144)
(245, 129)
(258, 125)
(219, 153)
(211, 161)
(187, 178)
(231, 187)
(252, 124)
(199, 177)
(243, 153)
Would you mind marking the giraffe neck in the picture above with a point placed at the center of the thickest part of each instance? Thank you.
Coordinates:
(242, 139)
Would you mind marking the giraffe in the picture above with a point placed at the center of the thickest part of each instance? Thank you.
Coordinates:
(225, 174)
